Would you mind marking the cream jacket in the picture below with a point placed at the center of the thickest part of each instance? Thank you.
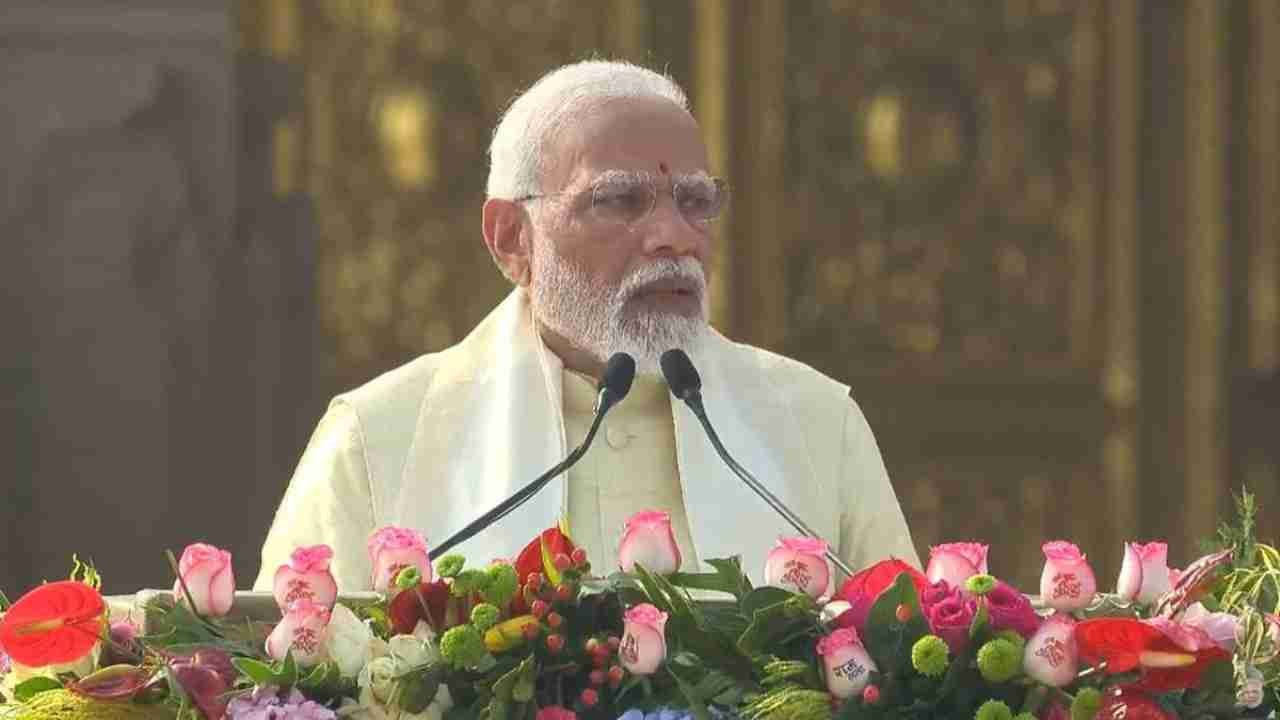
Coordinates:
(438, 441)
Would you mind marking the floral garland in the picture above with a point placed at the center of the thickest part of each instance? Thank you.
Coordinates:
(542, 637)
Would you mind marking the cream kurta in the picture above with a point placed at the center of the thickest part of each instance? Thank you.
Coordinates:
(442, 439)
(631, 464)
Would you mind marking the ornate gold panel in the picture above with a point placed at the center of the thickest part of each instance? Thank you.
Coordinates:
(942, 211)
(400, 100)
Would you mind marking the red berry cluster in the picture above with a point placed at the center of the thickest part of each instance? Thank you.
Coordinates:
(605, 669)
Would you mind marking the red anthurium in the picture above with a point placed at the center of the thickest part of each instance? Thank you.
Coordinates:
(539, 555)
(1169, 655)
(874, 579)
(55, 623)
(407, 607)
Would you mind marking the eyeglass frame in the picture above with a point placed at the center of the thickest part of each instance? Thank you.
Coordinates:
(721, 185)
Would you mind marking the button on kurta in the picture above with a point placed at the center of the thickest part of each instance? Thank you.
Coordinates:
(617, 437)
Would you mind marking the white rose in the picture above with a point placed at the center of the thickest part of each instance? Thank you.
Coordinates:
(378, 677)
(348, 641)
(409, 652)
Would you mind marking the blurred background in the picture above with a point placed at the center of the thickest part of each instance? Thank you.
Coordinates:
(1040, 239)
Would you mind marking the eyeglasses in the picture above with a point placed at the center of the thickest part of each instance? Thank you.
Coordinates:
(622, 197)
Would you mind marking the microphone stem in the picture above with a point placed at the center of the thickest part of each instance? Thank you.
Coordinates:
(505, 507)
(695, 403)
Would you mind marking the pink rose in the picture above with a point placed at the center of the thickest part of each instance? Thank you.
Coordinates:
(207, 573)
(306, 575)
(644, 642)
(1144, 574)
(1050, 656)
(950, 619)
(956, 562)
(799, 564)
(392, 549)
(845, 662)
(1011, 610)
(649, 541)
(555, 712)
(1067, 582)
(935, 593)
(302, 628)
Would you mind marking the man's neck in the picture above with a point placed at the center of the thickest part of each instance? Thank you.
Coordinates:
(573, 357)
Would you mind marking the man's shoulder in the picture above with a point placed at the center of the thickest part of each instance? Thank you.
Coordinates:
(808, 385)
(399, 392)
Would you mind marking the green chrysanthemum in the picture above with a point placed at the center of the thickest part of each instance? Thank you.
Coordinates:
(408, 577)
(1086, 704)
(450, 565)
(468, 582)
(993, 710)
(999, 660)
(929, 656)
(1024, 716)
(502, 584)
(1013, 637)
(484, 616)
(980, 584)
(463, 646)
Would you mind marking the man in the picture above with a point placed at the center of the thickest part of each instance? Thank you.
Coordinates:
(599, 211)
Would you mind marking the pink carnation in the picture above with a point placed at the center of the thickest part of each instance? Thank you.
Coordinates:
(836, 640)
(1011, 610)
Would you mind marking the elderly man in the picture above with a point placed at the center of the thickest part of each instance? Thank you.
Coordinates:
(599, 210)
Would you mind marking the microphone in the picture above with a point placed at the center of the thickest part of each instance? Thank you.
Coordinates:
(685, 383)
(615, 383)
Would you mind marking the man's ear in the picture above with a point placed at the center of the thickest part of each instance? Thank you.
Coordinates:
(503, 223)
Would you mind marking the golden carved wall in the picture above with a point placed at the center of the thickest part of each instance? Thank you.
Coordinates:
(961, 209)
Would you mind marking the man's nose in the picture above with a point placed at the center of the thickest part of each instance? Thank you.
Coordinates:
(669, 233)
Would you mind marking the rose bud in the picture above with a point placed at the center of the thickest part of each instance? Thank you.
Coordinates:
(302, 628)
(799, 564)
(306, 576)
(1067, 582)
(1050, 655)
(956, 562)
(206, 571)
(1144, 574)
(644, 642)
(392, 549)
(845, 662)
(648, 540)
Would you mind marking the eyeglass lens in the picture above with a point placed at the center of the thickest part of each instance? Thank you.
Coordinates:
(630, 198)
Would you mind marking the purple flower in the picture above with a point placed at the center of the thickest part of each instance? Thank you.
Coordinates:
(266, 704)
(1011, 610)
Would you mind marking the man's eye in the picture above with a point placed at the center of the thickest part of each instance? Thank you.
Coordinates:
(622, 200)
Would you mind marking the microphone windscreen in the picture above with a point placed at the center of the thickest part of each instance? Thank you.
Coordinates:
(618, 374)
(681, 376)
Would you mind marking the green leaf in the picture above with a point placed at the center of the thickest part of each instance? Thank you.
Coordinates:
(790, 619)
(4, 602)
(418, 689)
(981, 619)
(28, 689)
(259, 672)
(887, 639)
(761, 598)
(288, 675)
(697, 704)
(728, 578)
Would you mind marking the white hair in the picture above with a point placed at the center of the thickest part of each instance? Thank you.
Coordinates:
(520, 140)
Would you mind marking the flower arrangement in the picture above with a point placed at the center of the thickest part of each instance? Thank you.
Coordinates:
(544, 637)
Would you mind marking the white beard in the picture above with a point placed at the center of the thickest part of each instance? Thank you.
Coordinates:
(597, 319)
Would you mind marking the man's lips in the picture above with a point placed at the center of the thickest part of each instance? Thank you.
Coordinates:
(678, 287)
